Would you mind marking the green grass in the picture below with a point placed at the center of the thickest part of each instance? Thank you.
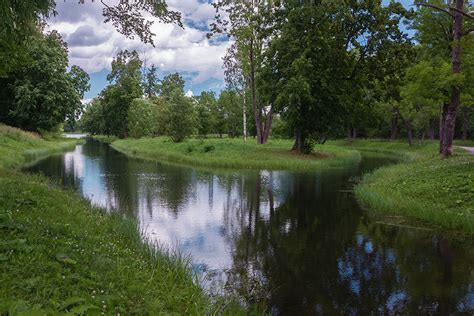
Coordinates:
(423, 187)
(105, 139)
(18, 147)
(60, 255)
(235, 153)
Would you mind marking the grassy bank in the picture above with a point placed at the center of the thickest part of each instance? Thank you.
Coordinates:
(105, 139)
(58, 254)
(424, 187)
(235, 153)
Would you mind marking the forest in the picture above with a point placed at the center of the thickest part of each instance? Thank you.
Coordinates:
(370, 71)
(341, 135)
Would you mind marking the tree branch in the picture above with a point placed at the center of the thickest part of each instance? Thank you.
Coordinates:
(468, 31)
(434, 7)
(462, 12)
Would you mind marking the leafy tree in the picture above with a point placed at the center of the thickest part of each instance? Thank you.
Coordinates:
(169, 84)
(18, 22)
(422, 95)
(125, 79)
(453, 31)
(206, 113)
(142, 117)
(93, 121)
(42, 94)
(180, 116)
(229, 104)
(150, 82)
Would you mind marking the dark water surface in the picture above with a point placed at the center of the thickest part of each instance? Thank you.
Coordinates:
(296, 241)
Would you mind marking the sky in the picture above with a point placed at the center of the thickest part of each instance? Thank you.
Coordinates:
(93, 44)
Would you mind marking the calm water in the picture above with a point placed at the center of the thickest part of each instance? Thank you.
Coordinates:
(296, 241)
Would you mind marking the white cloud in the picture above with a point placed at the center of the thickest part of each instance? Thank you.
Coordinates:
(93, 44)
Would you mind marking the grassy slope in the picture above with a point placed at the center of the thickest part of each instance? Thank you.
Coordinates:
(59, 254)
(236, 153)
(424, 187)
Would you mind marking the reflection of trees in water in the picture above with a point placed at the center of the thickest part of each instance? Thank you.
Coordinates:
(297, 243)
(311, 254)
(285, 239)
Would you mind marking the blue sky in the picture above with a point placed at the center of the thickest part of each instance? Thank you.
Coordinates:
(92, 44)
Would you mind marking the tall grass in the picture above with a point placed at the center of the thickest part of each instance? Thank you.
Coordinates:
(235, 153)
(18, 147)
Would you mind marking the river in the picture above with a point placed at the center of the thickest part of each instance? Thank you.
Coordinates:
(296, 242)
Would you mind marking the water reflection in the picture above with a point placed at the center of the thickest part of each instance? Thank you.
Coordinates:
(295, 242)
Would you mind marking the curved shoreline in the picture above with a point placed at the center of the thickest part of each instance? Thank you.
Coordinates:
(236, 154)
(423, 187)
(64, 255)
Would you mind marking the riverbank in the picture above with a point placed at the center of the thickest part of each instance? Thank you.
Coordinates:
(59, 254)
(235, 153)
(423, 187)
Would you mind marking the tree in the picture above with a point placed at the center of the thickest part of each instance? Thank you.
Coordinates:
(93, 121)
(169, 84)
(42, 94)
(142, 116)
(80, 80)
(246, 26)
(422, 95)
(318, 90)
(456, 11)
(125, 79)
(206, 113)
(150, 82)
(180, 116)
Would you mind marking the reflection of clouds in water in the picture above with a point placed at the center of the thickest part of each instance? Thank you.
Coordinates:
(310, 249)
(204, 223)
(89, 174)
(467, 303)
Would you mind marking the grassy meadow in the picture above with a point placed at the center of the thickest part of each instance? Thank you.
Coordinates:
(235, 153)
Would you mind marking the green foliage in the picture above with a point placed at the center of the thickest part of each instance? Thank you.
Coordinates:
(142, 118)
(235, 153)
(150, 82)
(93, 121)
(424, 91)
(179, 115)
(18, 21)
(42, 94)
(169, 84)
(125, 79)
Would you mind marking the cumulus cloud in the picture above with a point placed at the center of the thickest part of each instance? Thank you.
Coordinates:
(93, 44)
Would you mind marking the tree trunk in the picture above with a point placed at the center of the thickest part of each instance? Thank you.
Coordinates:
(244, 116)
(268, 126)
(432, 133)
(465, 125)
(257, 113)
(409, 133)
(354, 134)
(394, 131)
(442, 122)
(298, 145)
(452, 112)
(423, 134)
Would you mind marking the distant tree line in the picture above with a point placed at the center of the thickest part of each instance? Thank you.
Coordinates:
(137, 104)
(310, 70)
